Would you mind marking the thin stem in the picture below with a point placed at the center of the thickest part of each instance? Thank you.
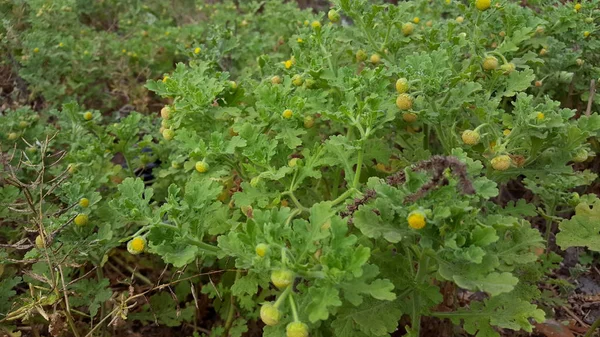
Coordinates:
(132, 271)
(343, 197)
(229, 321)
(103, 307)
(282, 297)
(593, 328)
(207, 248)
(295, 201)
(359, 163)
(292, 215)
(293, 306)
(550, 213)
(325, 52)
(416, 314)
(129, 166)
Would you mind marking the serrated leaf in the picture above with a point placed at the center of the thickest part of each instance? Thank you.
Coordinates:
(583, 229)
(322, 298)
(518, 81)
(371, 318)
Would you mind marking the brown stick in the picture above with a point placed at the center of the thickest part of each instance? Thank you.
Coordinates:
(588, 111)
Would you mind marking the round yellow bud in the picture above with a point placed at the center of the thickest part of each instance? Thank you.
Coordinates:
(416, 220)
(81, 219)
(84, 202)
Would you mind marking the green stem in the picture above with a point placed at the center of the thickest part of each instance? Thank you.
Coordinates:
(593, 328)
(367, 32)
(282, 297)
(207, 248)
(550, 212)
(293, 306)
(336, 183)
(292, 215)
(387, 35)
(325, 52)
(132, 271)
(295, 201)
(343, 197)
(416, 312)
(100, 275)
(359, 163)
(129, 166)
(229, 320)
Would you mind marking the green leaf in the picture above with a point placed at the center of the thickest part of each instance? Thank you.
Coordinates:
(371, 318)
(518, 81)
(134, 199)
(164, 309)
(583, 229)
(493, 283)
(91, 293)
(291, 137)
(380, 289)
(322, 298)
(378, 226)
(179, 255)
(484, 236)
(340, 151)
(7, 292)
(504, 311)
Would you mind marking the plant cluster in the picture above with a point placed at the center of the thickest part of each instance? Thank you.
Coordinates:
(327, 174)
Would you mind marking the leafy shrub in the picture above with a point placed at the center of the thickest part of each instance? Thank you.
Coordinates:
(357, 163)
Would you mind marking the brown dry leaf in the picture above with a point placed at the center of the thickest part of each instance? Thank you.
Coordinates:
(552, 328)
(57, 325)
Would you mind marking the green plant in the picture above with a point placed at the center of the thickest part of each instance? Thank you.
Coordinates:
(330, 188)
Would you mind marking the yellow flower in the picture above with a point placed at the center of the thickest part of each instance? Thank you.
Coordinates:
(282, 278)
(36, 50)
(201, 167)
(404, 102)
(375, 58)
(288, 64)
(197, 50)
(402, 85)
(506, 132)
(501, 163)
(470, 137)
(269, 314)
(299, 40)
(84, 202)
(81, 219)
(407, 28)
(483, 5)
(262, 249)
(165, 79)
(578, 7)
(416, 19)
(61, 44)
(287, 114)
(416, 220)
(136, 245)
(540, 116)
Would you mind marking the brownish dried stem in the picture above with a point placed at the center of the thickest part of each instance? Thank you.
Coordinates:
(436, 165)
(588, 111)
